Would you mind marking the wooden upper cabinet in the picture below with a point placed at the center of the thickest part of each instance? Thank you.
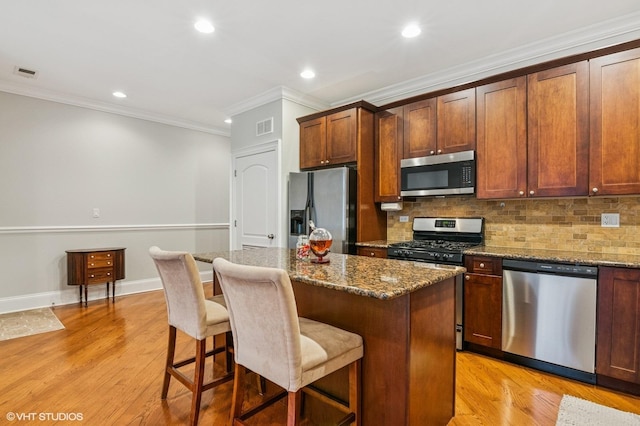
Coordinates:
(456, 114)
(313, 142)
(419, 129)
(341, 137)
(618, 324)
(389, 127)
(615, 124)
(501, 151)
(558, 131)
(329, 140)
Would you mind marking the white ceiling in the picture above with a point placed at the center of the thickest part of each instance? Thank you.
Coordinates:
(84, 50)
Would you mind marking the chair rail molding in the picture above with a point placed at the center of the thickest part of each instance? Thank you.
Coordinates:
(102, 228)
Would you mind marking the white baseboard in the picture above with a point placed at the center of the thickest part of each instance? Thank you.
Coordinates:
(72, 294)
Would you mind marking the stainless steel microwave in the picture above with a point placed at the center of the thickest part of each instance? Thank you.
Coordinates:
(445, 174)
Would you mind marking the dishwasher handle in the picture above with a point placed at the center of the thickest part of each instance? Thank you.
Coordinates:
(550, 268)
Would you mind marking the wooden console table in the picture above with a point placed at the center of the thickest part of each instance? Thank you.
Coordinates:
(95, 266)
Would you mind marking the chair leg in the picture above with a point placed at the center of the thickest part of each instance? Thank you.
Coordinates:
(355, 389)
(201, 351)
(238, 393)
(293, 408)
(228, 356)
(262, 385)
(171, 349)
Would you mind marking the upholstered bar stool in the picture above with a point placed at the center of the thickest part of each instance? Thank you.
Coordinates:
(192, 314)
(271, 340)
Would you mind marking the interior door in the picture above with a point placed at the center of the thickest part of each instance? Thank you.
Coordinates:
(255, 195)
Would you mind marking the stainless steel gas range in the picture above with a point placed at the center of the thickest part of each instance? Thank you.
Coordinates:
(442, 240)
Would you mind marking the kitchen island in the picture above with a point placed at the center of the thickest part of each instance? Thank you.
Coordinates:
(404, 311)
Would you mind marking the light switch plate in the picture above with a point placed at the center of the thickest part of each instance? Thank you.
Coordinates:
(610, 220)
(404, 218)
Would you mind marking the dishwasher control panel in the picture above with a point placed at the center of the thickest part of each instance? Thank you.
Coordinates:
(551, 268)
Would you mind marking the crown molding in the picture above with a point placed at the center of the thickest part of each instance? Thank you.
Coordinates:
(276, 94)
(53, 96)
(594, 37)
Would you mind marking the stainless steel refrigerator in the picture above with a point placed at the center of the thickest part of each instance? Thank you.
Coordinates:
(328, 197)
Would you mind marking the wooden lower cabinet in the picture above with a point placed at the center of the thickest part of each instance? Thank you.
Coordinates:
(483, 301)
(618, 325)
(372, 252)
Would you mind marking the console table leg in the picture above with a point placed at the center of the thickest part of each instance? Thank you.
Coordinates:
(80, 286)
(86, 297)
(113, 291)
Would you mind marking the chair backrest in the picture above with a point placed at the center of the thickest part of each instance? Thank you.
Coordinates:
(264, 321)
(183, 291)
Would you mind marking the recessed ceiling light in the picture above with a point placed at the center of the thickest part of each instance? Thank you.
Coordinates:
(411, 30)
(228, 121)
(204, 26)
(119, 95)
(307, 74)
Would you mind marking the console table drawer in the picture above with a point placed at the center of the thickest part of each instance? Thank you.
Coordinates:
(100, 263)
(99, 276)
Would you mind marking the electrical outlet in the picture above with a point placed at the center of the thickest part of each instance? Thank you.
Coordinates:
(96, 212)
(404, 219)
(610, 220)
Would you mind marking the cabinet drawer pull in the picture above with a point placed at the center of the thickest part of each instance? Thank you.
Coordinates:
(482, 265)
(467, 277)
(93, 276)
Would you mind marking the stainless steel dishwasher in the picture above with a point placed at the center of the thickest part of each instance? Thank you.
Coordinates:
(549, 317)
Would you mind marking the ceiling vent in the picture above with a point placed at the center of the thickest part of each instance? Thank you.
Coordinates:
(24, 72)
(265, 126)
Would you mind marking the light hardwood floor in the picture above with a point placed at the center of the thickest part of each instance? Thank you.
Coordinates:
(106, 365)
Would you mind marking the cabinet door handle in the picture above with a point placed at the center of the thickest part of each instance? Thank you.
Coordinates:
(532, 192)
(439, 151)
(271, 236)
(432, 152)
(521, 193)
(594, 190)
(467, 277)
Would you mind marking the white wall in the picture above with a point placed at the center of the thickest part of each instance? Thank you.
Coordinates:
(153, 183)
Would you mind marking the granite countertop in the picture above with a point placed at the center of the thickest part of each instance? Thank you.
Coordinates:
(361, 275)
(585, 258)
(377, 243)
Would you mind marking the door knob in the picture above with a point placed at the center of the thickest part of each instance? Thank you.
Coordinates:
(271, 236)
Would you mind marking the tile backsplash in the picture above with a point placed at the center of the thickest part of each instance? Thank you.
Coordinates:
(560, 223)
